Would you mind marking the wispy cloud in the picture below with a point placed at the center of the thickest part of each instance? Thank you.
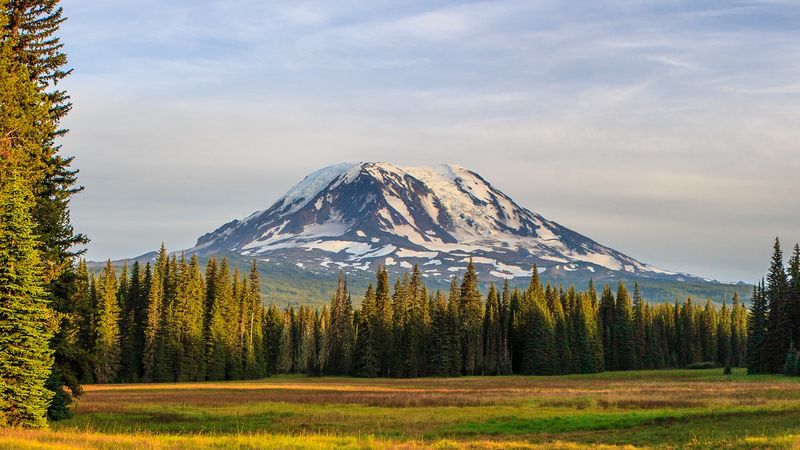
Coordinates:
(673, 121)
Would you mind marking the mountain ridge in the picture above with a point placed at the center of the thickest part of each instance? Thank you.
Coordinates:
(357, 216)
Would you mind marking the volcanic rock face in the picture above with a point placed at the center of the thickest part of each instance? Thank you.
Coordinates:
(358, 216)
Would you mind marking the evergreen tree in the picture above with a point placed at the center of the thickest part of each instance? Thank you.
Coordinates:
(639, 329)
(365, 353)
(220, 331)
(107, 352)
(254, 341)
(189, 306)
(341, 331)
(724, 340)
(154, 320)
(454, 328)
(273, 334)
(757, 331)
(778, 326)
(441, 353)
(471, 322)
(28, 30)
(607, 321)
(739, 317)
(505, 318)
(623, 330)
(382, 322)
(128, 295)
(492, 333)
(26, 322)
(793, 297)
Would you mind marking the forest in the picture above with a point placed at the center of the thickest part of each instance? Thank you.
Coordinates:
(174, 321)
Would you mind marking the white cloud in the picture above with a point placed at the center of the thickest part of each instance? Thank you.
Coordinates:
(668, 131)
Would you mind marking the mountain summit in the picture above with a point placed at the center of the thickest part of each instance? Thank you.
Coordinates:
(358, 216)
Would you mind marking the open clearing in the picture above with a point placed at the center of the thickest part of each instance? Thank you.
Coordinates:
(662, 409)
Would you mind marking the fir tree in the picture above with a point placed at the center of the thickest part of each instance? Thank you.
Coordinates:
(471, 322)
(190, 312)
(623, 330)
(757, 331)
(607, 321)
(492, 332)
(441, 353)
(341, 332)
(366, 357)
(273, 334)
(454, 328)
(218, 344)
(778, 326)
(154, 312)
(29, 31)
(107, 333)
(26, 322)
(382, 322)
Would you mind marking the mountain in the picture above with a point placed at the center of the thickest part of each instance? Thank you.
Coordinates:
(354, 217)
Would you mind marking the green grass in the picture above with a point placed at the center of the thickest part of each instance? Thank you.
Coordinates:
(660, 409)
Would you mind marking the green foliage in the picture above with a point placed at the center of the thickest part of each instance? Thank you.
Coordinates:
(106, 353)
(26, 322)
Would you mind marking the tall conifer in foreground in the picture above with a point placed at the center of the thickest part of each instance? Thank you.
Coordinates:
(26, 322)
(31, 26)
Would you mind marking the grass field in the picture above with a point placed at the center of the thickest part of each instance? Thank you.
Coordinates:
(662, 409)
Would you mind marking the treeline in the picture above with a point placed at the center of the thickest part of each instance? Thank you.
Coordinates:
(774, 321)
(173, 321)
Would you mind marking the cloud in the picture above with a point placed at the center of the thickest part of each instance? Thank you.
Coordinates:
(667, 130)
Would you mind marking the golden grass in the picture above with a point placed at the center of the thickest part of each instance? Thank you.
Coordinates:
(660, 409)
(76, 440)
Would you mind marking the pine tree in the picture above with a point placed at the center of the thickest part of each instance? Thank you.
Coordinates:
(190, 312)
(154, 320)
(26, 322)
(471, 322)
(366, 357)
(441, 353)
(127, 323)
(219, 338)
(383, 321)
(607, 322)
(492, 333)
(708, 333)
(29, 31)
(107, 335)
(341, 332)
(273, 334)
(724, 339)
(793, 297)
(778, 325)
(505, 318)
(623, 329)
(757, 331)
(454, 328)
(254, 342)
(639, 329)
(76, 330)
(739, 317)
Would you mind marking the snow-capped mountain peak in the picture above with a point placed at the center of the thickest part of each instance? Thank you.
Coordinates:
(357, 216)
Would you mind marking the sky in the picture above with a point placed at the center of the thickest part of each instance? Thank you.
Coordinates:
(668, 130)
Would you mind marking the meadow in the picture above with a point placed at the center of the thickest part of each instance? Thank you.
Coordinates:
(646, 409)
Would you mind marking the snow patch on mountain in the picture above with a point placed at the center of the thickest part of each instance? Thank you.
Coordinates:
(358, 215)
